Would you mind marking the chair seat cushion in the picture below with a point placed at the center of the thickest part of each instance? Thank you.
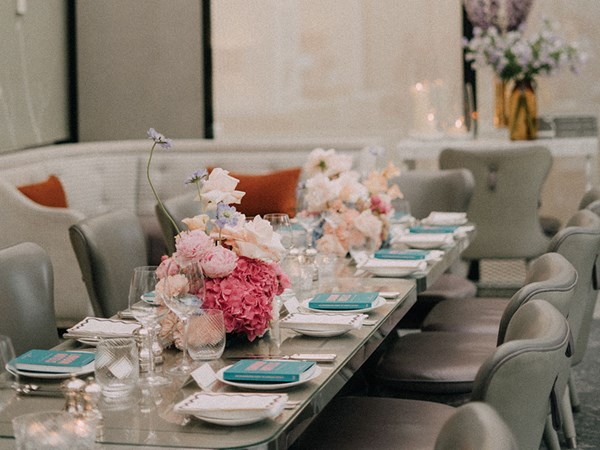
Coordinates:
(376, 423)
(434, 362)
(469, 315)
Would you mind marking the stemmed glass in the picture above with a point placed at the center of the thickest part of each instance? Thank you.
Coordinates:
(308, 220)
(281, 225)
(147, 309)
(183, 294)
(8, 380)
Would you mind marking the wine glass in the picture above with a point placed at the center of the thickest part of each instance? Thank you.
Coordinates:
(183, 294)
(8, 380)
(147, 309)
(281, 225)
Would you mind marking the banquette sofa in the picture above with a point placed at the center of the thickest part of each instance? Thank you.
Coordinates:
(97, 177)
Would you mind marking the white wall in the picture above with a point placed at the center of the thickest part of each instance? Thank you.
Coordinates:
(34, 100)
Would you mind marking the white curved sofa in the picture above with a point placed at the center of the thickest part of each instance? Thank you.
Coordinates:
(102, 176)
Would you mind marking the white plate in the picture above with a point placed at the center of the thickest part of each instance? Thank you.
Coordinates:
(266, 386)
(232, 408)
(95, 327)
(92, 342)
(395, 272)
(379, 301)
(48, 375)
(321, 333)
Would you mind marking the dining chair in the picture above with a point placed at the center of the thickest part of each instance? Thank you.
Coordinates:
(108, 247)
(437, 190)
(475, 425)
(27, 297)
(590, 196)
(505, 203)
(179, 208)
(442, 365)
(520, 380)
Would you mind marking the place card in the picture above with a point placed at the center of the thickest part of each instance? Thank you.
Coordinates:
(292, 305)
(204, 376)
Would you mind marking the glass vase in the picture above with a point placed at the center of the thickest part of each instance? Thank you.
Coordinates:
(500, 113)
(523, 111)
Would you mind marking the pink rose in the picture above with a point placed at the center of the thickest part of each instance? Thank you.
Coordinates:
(167, 266)
(218, 262)
(191, 246)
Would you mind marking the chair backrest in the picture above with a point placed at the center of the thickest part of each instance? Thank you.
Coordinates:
(475, 425)
(438, 190)
(525, 377)
(108, 247)
(179, 208)
(27, 297)
(579, 242)
(550, 277)
(508, 184)
(590, 196)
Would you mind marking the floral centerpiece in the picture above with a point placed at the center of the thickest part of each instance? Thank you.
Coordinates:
(239, 258)
(515, 57)
(353, 211)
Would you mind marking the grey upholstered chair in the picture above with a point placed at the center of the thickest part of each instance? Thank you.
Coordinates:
(27, 297)
(508, 184)
(590, 196)
(518, 380)
(442, 365)
(179, 208)
(437, 190)
(475, 425)
(108, 247)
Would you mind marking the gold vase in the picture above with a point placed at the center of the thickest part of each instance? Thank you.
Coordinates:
(523, 111)
(500, 113)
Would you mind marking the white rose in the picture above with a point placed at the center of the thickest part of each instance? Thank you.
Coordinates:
(197, 222)
(220, 188)
(368, 224)
(256, 239)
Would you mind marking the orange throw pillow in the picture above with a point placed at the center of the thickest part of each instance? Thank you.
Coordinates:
(273, 192)
(47, 193)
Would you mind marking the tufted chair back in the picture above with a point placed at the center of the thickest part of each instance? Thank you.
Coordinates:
(179, 208)
(528, 372)
(108, 247)
(508, 184)
(441, 190)
(475, 425)
(27, 298)
(550, 277)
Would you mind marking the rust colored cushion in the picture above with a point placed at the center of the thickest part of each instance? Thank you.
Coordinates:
(273, 192)
(48, 193)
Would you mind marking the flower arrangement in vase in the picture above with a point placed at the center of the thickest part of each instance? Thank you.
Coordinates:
(239, 258)
(520, 59)
(352, 211)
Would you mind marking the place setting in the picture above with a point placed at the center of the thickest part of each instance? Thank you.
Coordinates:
(90, 330)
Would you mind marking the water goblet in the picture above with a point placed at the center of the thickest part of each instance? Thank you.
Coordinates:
(7, 378)
(183, 293)
(145, 306)
(281, 225)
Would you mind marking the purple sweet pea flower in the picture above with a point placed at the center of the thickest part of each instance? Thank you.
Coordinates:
(197, 176)
(160, 139)
(226, 215)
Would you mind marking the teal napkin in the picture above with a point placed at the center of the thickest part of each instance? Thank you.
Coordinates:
(433, 229)
(389, 253)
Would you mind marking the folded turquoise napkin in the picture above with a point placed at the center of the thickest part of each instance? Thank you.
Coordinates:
(433, 229)
(388, 253)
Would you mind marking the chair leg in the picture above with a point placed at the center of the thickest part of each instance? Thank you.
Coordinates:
(568, 422)
(575, 403)
(550, 436)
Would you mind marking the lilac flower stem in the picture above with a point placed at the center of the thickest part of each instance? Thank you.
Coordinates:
(160, 203)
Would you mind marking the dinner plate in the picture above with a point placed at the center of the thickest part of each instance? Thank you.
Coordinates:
(390, 271)
(379, 301)
(232, 408)
(321, 333)
(46, 375)
(266, 386)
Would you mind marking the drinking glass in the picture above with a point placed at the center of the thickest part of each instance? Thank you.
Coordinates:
(281, 225)
(7, 379)
(206, 334)
(54, 430)
(147, 309)
(183, 294)
(117, 367)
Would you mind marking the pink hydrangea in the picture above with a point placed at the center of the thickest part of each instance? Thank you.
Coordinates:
(246, 295)
(191, 246)
(218, 262)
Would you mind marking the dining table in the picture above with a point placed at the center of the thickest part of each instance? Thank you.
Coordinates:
(150, 421)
